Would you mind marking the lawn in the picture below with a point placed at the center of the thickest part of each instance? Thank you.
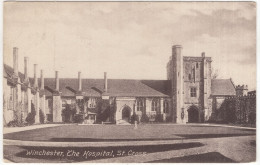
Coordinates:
(79, 133)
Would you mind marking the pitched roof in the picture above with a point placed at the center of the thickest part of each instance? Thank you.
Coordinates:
(116, 87)
(222, 87)
(9, 71)
(163, 86)
(94, 87)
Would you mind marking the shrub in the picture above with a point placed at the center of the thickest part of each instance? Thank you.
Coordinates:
(252, 118)
(169, 119)
(79, 118)
(144, 118)
(103, 111)
(159, 118)
(134, 118)
(30, 119)
(42, 117)
(15, 123)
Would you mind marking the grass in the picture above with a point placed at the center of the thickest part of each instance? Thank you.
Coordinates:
(97, 133)
(76, 133)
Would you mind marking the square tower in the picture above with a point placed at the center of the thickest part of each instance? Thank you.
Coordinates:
(190, 86)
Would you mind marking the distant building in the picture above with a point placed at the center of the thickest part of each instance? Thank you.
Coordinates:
(188, 95)
(241, 90)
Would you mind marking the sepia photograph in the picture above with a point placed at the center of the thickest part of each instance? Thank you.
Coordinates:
(129, 82)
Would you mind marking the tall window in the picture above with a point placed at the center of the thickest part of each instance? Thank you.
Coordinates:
(140, 105)
(165, 107)
(92, 103)
(193, 74)
(155, 105)
(193, 92)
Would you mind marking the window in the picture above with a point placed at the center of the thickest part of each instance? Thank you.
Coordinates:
(193, 92)
(193, 74)
(189, 77)
(50, 103)
(155, 105)
(92, 103)
(64, 103)
(197, 65)
(11, 99)
(165, 107)
(140, 105)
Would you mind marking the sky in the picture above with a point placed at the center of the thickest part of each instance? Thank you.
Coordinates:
(131, 40)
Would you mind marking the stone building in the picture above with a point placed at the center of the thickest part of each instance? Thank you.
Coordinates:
(241, 90)
(188, 95)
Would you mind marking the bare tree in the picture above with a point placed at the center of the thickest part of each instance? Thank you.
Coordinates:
(214, 74)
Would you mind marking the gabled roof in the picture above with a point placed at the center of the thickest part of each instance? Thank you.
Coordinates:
(222, 87)
(9, 71)
(116, 87)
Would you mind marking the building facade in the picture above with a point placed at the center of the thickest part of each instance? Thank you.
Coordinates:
(188, 95)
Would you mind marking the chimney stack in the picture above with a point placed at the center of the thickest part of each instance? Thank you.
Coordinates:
(79, 81)
(203, 54)
(105, 81)
(15, 60)
(35, 76)
(26, 61)
(42, 80)
(57, 81)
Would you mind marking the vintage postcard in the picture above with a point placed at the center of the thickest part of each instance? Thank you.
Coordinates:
(129, 82)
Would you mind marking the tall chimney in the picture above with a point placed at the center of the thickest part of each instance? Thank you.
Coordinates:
(15, 60)
(42, 80)
(35, 76)
(26, 61)
(177, 83)
(105, 81)
(79, 81)
(57, 88)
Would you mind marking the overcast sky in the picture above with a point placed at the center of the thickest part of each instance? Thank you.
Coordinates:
(131, 40)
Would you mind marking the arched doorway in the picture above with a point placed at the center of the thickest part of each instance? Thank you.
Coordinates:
(126, 112)
(193, 114)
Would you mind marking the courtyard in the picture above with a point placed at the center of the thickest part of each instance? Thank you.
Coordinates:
(124, 143)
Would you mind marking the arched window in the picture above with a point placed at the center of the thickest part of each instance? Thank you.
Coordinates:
(165, 107)
(155, 105)
(140, 105)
